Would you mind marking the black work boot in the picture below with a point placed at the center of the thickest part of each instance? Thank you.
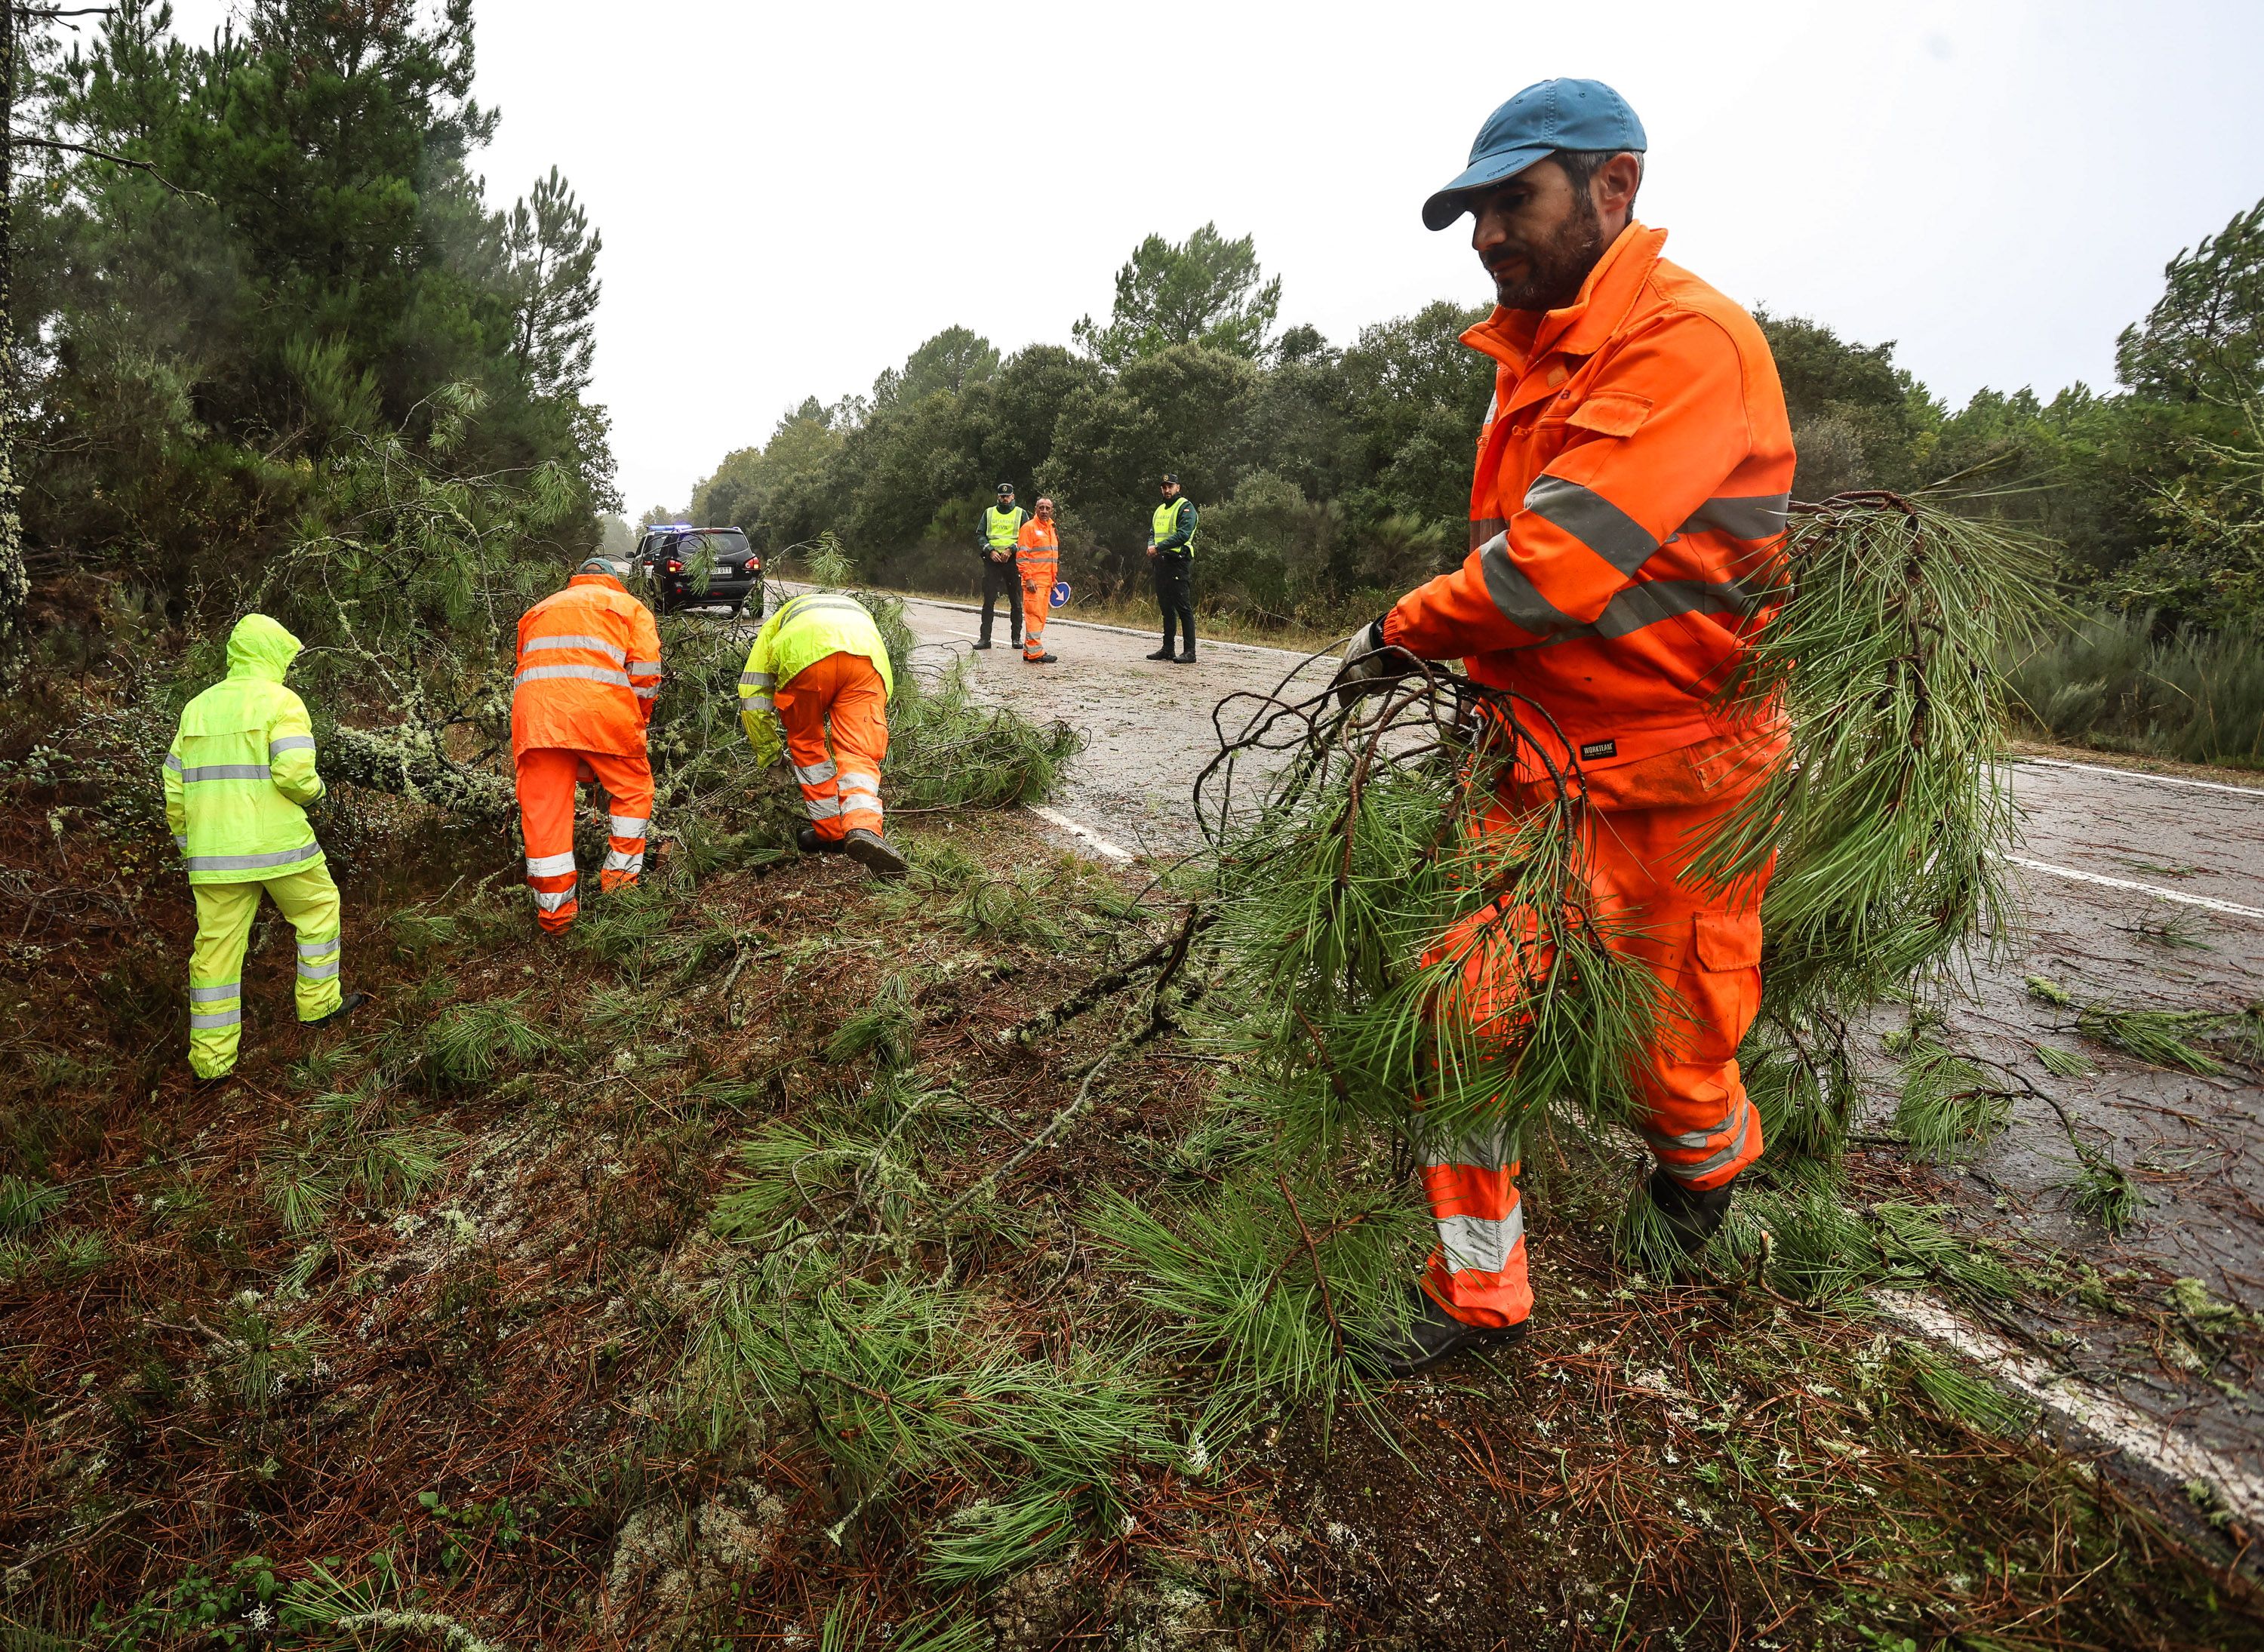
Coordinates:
(875, 853)
(1432, 1334)
(807, 840)
(1188, 658)
(982, 642)
(347, 1005)
(1692, 1216)
(1163, 652)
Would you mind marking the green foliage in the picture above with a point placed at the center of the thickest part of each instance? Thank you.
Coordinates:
(1890, 821)
(899, 1381)
(470, 1043)
(308, 265)
(1205, 290)
(1945, 1108)
(1233, 1280)
(24, 1204)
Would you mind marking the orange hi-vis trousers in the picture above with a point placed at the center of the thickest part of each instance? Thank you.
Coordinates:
(546, 778)
(840, 789)
(1038, 577)
(1704, 945)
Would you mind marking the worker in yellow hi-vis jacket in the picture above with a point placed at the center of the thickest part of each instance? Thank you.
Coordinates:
(237, 783)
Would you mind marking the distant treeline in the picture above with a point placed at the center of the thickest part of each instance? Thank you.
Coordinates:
(1332, 477)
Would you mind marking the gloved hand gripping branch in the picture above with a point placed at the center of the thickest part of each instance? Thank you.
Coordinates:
(1370, 664)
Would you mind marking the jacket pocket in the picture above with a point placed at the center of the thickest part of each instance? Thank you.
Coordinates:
(1611, 413)
(1728, 940)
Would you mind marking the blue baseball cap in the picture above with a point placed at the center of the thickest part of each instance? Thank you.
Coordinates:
(1544, 118)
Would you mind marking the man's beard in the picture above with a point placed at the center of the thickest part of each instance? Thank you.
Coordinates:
(1554, 269)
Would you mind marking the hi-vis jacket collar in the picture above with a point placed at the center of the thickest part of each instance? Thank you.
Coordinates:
(1515, 337)
(606, 580)
(260, 648)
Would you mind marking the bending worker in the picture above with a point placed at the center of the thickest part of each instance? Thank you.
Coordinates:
(1636, 464)
(1172, 549)
(1039, 558)
(820, 659)
(589, 671)
(238, 781)
(995, 537)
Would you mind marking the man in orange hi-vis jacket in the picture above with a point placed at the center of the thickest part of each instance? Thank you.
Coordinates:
(1038, 558)
(1633, 476)
(588, 673)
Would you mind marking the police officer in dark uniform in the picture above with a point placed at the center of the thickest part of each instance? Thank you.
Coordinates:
(1171, 550)
(997, 533)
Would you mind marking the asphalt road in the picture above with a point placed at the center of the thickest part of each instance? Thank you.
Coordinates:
(2137, 891)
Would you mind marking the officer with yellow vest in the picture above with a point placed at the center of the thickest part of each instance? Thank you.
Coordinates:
(1001, 532)
(819, 659)
(1172, 549)
(238, 781)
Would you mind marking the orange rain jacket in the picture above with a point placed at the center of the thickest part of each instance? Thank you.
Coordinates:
(589, 670)
(1632, 478)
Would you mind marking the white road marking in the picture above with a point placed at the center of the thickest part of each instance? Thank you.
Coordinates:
(2157, 1445)
(2233, 908)
(1101, 846)
(2255, 792)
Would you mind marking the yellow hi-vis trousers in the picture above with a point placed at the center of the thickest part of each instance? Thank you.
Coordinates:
(310, 899)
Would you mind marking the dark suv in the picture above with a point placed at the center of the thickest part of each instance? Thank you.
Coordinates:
(695, 568)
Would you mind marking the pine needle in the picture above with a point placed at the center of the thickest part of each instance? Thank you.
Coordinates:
(2062, 1062)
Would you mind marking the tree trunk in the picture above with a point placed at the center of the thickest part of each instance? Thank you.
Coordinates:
(15, 580)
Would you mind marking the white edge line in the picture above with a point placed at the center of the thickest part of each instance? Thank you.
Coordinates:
(2213, 904)
(2156, 1444)
(1083, 834)
(2254, 791)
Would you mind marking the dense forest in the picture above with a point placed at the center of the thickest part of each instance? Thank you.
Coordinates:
(1333, 474)
(242, 269)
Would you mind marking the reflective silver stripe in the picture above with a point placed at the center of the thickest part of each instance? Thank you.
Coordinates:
(1691, 1139)
(763, 700)
(596, 644)
(221, 993)
(318, 949)
(549, 865)
(551, 900)
(1714, 1161)
(180, 840)
(1756, 516)
(622, 826)
(1475, 1244)
(1514, 594)
(253, 863)
(818, 773)
(758, 679)
(821, 808)
(860, 786)
(616, 861)
(225, 772)
(1490, 1146)
(587, 673)
(218, 1018)
(1592, 519)
(173, 762)
(290, 743)
(644, 668)
(317, 971)
(1652, 600)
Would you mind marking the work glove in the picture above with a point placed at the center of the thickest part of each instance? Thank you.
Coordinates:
(1367, 662)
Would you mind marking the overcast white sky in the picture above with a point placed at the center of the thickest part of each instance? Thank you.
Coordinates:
(794, 196)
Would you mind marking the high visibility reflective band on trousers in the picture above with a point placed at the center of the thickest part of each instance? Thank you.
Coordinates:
(1037, 602)
(1703, 945)
(546, 777)
(310, 899)
(842, 693)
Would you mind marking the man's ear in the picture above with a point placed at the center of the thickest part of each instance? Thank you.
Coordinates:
(1615, 184)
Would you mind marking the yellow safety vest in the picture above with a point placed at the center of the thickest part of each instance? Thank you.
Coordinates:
(1167, 523)
(801, 632)
(1002, 528)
